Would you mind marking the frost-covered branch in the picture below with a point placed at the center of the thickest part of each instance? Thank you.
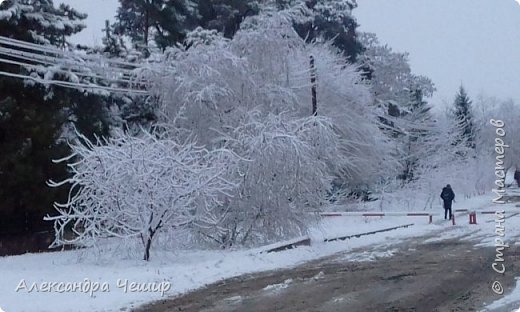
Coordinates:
(137, 186)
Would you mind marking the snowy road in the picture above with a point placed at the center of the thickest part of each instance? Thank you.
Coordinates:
(447, 275)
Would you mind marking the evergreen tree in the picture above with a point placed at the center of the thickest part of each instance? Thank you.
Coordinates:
(463, 118)
(164, 21)
(399, 95)
(39, 21)
(131, 109)
(32, 117)
(326, 20)
(113, 43)
(417, 127)
(225, 16)
(168, 21)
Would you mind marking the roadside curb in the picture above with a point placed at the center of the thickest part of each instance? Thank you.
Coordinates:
(276, 247)
(366, 233)
(306, 240)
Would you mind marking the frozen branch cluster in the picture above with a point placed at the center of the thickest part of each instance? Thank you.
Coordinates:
(138, 186)
(265, 68)
(284, 180)
(252, 94)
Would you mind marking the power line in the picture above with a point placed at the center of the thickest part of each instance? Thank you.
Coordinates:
(57, 51)
(65, 71)
(37, 57)
(72, 84)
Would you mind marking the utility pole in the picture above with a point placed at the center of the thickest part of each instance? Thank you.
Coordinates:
(313, 87)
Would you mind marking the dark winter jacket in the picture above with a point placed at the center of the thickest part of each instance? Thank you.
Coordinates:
(447, 196)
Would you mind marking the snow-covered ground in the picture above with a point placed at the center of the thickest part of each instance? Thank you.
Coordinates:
(508, 300)
(184, 270)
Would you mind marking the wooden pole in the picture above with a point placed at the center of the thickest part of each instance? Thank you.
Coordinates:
(313, 87)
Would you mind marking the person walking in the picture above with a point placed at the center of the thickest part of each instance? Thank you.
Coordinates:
(447, 196)
(517, 177)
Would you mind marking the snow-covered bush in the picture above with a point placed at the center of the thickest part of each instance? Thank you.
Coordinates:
(284, 179)
(211, 90)
(134, 187)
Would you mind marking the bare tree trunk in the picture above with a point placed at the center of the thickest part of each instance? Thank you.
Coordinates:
(147, 249)
(148, 244)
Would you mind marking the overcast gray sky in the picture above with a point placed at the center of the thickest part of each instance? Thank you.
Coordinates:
(476, 42)
(98, 11)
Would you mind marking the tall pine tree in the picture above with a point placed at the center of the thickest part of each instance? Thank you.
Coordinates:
(166, 22)
(326, 19)
(225, 16)
(417, 125)
(463, 118)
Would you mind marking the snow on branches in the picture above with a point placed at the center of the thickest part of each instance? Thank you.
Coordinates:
(284, 180)
(391, 75)
(210, 89)
(138, 186)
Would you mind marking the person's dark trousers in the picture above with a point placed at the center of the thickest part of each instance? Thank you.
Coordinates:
(446, 213)
(447, 206)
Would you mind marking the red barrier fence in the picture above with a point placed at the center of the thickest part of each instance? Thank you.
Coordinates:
(378, 214)
(472, 214)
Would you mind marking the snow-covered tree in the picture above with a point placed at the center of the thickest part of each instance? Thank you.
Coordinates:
(462, 115)
(318, 20)
(265, 67)
(113, 44)
(415, 131)
(390, 74)
(284, 179)
(400, 98)
(465, 168)
(211, 89)
(487, 108)
(510, 113)
(135, 187)
(39, 21)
